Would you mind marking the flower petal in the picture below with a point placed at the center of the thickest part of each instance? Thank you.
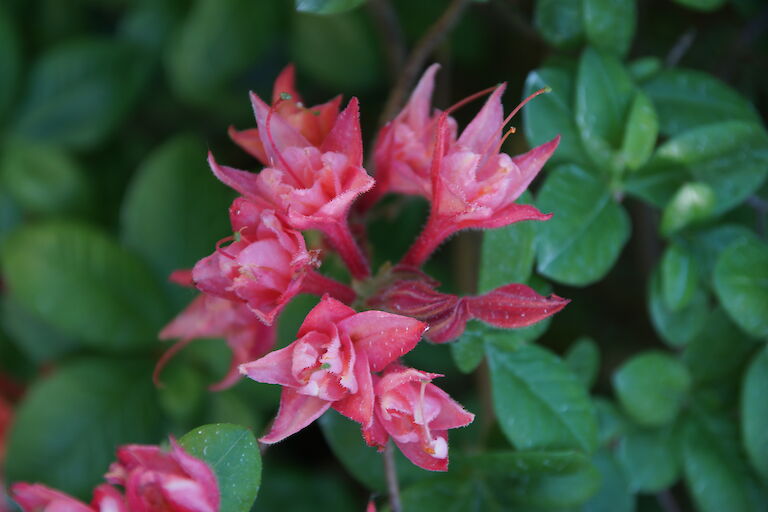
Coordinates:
(384, 337)
(345, 137)
(296, 412)
(273, 368)
(359, 406)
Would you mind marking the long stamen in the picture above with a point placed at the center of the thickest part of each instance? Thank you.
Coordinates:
(283, 97)
(469, 99)
(425, 424)
(512, 114)
(220, 249)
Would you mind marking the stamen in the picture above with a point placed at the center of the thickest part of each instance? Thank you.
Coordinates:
(512, 114)
(424, 423)
(469, 99)
(220, 249)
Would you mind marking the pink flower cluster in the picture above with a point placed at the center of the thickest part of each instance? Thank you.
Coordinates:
(153, 481)
(345, 359)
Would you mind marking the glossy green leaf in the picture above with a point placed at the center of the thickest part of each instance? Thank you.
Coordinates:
(687, 99)
(339, 52)
(79, 92)
(754, 413)
(692, 203)
(719, 351)
(676, 328)
(644, 68)
(582, 241)
(326, 6)
(67, 428)
(36, 339)
(175, 210)
(43, 179)
(507, 253)
(730, 156)
(551, 114)
(708, 244)
(216, 42)
(10, 59)
(604, 93)
(233, 454)
(640, 132)
(716, 475)
(560, 21)
(610, 24)
(652, 387)
(702, 5)
(614, 494)
(679, 277)
(583, 357)
(656, 182)
(539, 402)
(741, 284)
(82, 283)
(650, 458)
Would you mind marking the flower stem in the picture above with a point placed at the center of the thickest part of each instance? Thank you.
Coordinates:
(340, 237)
(434, 234)
(318, 284)
(392, 484)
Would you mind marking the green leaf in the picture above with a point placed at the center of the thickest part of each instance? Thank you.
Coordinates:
(326, 6)
(644, 68)
(362, 462)
(640, 132)
(560, 22)
(614, 494)
(702, 5)
(507, 253)
(686, 99)
(581, 243)
(468, 351)
(692, 203)
(650, 458)
(604, 93)
(730, 156)
(676, 328)
(679, 277)
(719, 351)
(233, 454)
(717, 477)
(708, 244)
(175, 210)
(339, 52)
(82, 283)
(80, 91)
(35, 338)
(611, 421)
(583, 357)
(610, 24)
(67, 428)
(540, 403)
(216, 43)
(10, 59)
(656, 182)
(741, 284)
(652, 387)
(754, 413)
(43, 179)
(551, 114)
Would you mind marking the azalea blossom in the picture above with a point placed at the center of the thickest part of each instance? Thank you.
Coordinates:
(416, 414)
(159, 481)
(473, 184)
(313, 123)
(511, 306)
(39, 498)
(330, 364)
(310, 187)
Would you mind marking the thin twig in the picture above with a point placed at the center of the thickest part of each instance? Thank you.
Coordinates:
(391, 33)
(418, 56)
(681, 47)
(392, 484)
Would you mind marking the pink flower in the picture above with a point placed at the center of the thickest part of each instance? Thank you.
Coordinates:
(158, 481)
(417, 415)
(313, 188)
(208, 316)
(264, 269)
(511, 307)
(475, 186)
(330, 364)
(313, 123)
(39, 498)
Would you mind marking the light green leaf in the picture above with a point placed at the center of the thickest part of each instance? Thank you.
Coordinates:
(540, 403)
(651, 388)
(82, 283)
(583, 356)
(67, 428)
(692, 203)
(326, 6)
(644, 68)
(676, 328)
(233, 454)
(687, 99)
(552, 114)
(610, 24)
(80, 91)
(741, 284)
(650, 458)
(754, 413)
(560, 21)
(679, 277)
(640, 132)
(582, 241)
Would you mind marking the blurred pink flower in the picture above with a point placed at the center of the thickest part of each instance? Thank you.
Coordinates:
(39, 498)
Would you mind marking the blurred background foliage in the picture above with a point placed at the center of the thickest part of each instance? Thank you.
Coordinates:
(107, 109)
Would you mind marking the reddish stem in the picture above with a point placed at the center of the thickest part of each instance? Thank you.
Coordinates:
(344, 243)
(434, 234)
(318, 284)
